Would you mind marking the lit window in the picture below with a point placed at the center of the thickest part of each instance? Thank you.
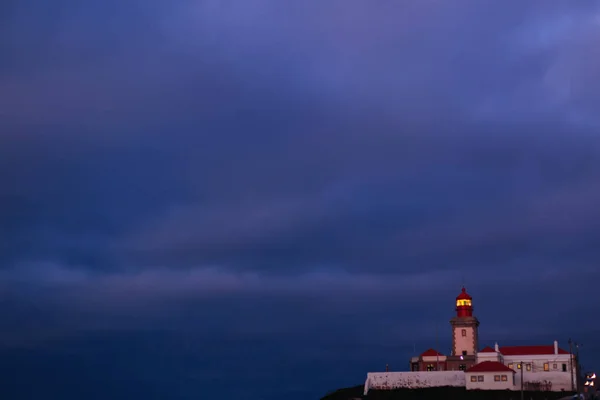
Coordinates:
(496, 378)
(480, 378)
(463, 303)
(528, 366)
(473, 378)
(463, 332)
(546, 367)
(430, 367)
(504, 378)
(510, 365)
(462, 367)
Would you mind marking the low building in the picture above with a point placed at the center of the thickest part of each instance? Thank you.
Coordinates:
(429, 360)
(490, 375)
(543, 358)
(544, 367)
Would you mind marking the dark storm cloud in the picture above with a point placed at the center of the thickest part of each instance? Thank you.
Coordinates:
(303, 171)
(196, 138)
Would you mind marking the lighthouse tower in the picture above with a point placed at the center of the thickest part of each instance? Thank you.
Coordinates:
(465, 326)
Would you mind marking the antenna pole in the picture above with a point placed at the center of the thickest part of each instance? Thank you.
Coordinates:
(437, 367)
(578, 369)
(571, 365)
(522, 394)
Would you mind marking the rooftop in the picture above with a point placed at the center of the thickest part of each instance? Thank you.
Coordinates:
(490, 366)
(530, 350)
(431, 353)
(464, 295)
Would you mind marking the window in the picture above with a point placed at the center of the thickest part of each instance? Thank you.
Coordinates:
(546, 367)
(463, 332)
(504, 378)
(554, 366)
(528, 366)
(480, 378)
(564, 366)
(510, 365)
(464, 353)
(496, 378)
(462, 367)
(463, 303)
(430, 367)
(473, 378)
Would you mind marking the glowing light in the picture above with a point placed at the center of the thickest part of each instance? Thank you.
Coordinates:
(463, 303)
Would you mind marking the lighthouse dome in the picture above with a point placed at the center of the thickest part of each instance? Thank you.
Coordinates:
(464, 304)
(464, 295)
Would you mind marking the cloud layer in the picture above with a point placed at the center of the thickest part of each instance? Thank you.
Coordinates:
(317, 176)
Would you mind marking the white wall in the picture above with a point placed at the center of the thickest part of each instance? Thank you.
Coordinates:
(488, 381)
(464, 342)
(481, 357)
(537, 362)
(422, 379)
(560, 380)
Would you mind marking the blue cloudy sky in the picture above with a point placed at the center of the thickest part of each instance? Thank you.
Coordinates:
(266, 199)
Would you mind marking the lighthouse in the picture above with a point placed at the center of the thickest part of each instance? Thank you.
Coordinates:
(465, 335)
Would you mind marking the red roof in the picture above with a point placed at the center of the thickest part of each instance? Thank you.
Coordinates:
(488, 349)
(431, 353)
(530, 350)
(464, 295)
(490, 366)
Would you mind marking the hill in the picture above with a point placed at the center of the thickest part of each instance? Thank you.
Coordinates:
(354, 392)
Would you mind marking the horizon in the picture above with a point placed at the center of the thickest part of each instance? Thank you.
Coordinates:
(266, 200)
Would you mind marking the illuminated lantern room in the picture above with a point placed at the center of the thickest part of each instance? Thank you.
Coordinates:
(464, 305)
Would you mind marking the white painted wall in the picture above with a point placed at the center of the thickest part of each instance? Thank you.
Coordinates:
(464, 342)
(560, 380)
(488, 381)
(421, 379)
(481, 357)
(537, 362)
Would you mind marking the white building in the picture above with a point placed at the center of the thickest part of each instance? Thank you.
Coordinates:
(490, 375)
(545, 358)
(545, 367)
